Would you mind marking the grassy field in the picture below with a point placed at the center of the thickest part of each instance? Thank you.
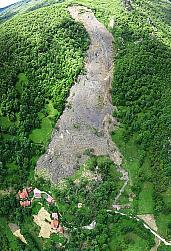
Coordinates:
(167, 196)
(138, 243)
(5, 122)
(163, 221)
(42, 135)
(130, 152)
(145, 201)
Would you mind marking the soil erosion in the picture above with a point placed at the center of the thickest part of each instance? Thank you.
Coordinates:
(87, 120)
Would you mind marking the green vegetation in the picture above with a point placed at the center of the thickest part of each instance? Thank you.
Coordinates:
(7, 239)
(95, 186)
(43, 134)
(163, 222)
(141, 92)
(42, 60)
(145, 200)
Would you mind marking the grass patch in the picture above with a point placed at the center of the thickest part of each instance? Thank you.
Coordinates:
(162, 223)
(22, 80)
(51, 110)
(128, 235)
(5, 122)
(130, 152)
(167, 196)
(137, 243)
(42, 135)
(145, 202)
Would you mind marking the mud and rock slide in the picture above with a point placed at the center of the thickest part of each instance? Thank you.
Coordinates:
(87, 120)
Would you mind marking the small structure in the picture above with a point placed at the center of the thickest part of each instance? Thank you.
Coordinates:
(55, 216)
(25, 203)
(24, 194)
(49, 199)
(54, 224)
(60, 229)
(37, 193)
(116, 207)
(29, 189)
(79, 205)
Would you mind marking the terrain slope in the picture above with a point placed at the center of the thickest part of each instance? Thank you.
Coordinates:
(84, 126)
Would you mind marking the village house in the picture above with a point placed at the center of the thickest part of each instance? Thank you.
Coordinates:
(37, 193)
(25, 203)
(49, 199)
(54, 224)
(55, 216)
(24, 194)
(60, 229)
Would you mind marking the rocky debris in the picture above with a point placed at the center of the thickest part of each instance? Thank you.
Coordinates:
(87, 119)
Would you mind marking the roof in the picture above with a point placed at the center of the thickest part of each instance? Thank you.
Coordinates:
(55, 215)
(25, 203)
(60, 229)
(37, 193)
(49, 199)
(23, 194)
(54, 224)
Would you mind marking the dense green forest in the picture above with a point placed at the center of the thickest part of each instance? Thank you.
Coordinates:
(39, 63)
(43, 59)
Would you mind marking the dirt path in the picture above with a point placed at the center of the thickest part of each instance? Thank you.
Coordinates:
(87, 119)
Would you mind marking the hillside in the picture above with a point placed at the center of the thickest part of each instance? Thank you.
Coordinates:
(24, 6)
(56, 121)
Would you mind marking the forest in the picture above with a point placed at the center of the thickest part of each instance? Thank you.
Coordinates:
(39, 63)
(44, 59)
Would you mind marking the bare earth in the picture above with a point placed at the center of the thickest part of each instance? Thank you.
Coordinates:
(16, 231)
(43, 220)
(87, 119)
(149, 219)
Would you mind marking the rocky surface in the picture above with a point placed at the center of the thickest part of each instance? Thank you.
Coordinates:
(87, 120)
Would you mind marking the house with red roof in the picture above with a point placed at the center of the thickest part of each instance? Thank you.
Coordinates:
(54, 224)
(24, 194)
(25, 203)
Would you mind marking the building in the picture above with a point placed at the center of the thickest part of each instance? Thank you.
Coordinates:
(55, 216)
(49, 199)
(25, 203)
(24, 194)
(37, 193)
(60, 229)
(54, 224)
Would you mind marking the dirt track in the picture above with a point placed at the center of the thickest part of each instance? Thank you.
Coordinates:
(87, 119)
